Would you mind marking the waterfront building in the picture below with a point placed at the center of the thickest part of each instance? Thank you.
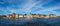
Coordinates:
(11, 15)
(43, 16)
(52, 16)
(2, 16)
(47, 16)
(21, 16)
(29, 16)
(17, 16)
(25, 15)
(35, 15)
(8, 16)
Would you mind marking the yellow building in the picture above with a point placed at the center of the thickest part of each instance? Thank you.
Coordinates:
(11, 15)
(17, 16)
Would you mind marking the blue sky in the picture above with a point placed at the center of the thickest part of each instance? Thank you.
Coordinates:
(30, 6)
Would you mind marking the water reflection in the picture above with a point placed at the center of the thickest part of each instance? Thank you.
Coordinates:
(30, 22)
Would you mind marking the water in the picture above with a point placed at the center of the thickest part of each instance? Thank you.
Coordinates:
(30, 22)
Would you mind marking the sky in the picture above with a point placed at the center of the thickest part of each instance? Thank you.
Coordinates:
(30, 6)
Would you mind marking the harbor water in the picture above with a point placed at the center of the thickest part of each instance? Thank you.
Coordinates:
(30, 22)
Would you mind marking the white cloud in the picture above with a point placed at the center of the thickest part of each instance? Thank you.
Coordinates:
(30, 4)
(49, 9)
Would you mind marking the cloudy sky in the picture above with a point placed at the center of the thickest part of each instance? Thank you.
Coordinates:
(30, 6)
